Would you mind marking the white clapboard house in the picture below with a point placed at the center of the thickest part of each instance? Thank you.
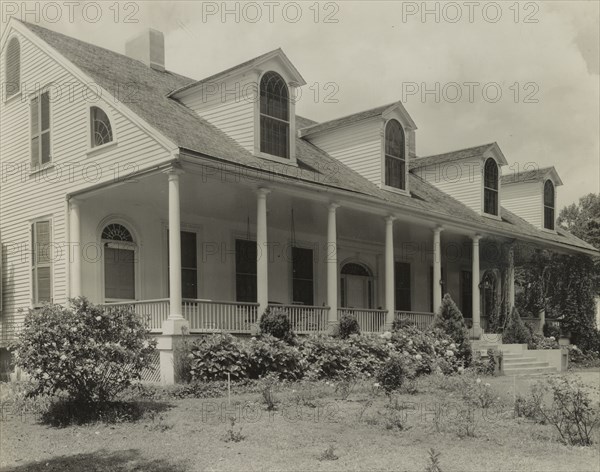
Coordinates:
(105, 156)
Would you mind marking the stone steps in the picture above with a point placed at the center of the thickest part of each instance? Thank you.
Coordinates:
(529, 370)
(521, 363)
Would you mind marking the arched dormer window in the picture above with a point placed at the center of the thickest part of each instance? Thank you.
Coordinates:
(274, 116)
(395, 159)
(101, 131)
(12, 69)
(549, 205)
(490, 187)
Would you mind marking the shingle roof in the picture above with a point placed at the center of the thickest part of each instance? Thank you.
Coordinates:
(476, 151)
(192, 133)
(533, 175)
(247, 64)
(344, 120)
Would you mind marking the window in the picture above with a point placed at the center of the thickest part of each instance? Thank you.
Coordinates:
(119, 263)
(101, 131)
(40, 130)
(245, 270)
(274, 116)
(41, 262)
(189, 264)
(466, 293)
(302, 276)
(12, 75)
(549, 205)
(490, 187)
(402, 281)
(395, 162)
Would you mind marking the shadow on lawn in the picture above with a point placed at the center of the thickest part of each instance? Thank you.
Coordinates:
(67, 413)
(100, 461)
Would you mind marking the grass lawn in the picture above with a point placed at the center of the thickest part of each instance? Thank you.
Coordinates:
(189, 436)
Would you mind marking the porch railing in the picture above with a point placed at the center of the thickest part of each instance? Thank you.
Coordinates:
(370, 321)
(305, 318)
(420, 319)
(153, 312)
(214, 316)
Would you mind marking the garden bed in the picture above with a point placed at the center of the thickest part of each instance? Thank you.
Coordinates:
(190, 434)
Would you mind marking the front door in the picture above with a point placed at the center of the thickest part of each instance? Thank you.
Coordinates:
(357, 286)
(119, 274)
(357, 290)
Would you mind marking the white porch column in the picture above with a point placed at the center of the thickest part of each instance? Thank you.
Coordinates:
(75, 248)
(175, 322)
(476, 330)
(511, 278)
(332, 271)
(262, 266)
(175, 325)
(389, 272)
(437, 269)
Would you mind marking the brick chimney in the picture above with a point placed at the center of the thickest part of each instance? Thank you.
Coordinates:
(149, 48)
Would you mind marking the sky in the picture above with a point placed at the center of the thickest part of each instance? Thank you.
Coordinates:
(525, 74)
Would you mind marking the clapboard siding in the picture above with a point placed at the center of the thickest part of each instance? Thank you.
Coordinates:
(524, 199)
(233, 113)
(25, 196)
(358, 146)
(460, 179)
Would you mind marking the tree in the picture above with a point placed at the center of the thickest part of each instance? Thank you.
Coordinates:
(450, 320)
(583, 219)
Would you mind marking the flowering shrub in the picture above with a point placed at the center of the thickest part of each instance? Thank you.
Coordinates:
(271, 355)
(450, 320)
(573, 412)
(86, 351)
(213, 357)
(393, 374)
(348, 325)
(427, 351)
(328, 357)
(371, 351)
(579, 358)
(538, 341)
(276, 322)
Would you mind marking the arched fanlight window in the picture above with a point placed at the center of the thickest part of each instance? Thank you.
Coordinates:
(100, 126)
(490, 187)
(274, 116)
(395, 160)
(549, 205)
(352, 268)
(117, 232)
(13, 67)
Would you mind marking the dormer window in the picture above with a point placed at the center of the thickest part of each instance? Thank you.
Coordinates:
(490, 187)
(549, 205)
(395, 159)
(101, 130)
(12, 69)
(274, 116)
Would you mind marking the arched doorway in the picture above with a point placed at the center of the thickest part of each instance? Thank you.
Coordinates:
(489, 295)
(356, 286)
(119, 251)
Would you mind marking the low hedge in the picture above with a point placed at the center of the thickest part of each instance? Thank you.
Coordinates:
(321, 356)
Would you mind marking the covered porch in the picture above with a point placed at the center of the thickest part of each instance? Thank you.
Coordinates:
(247, 245)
